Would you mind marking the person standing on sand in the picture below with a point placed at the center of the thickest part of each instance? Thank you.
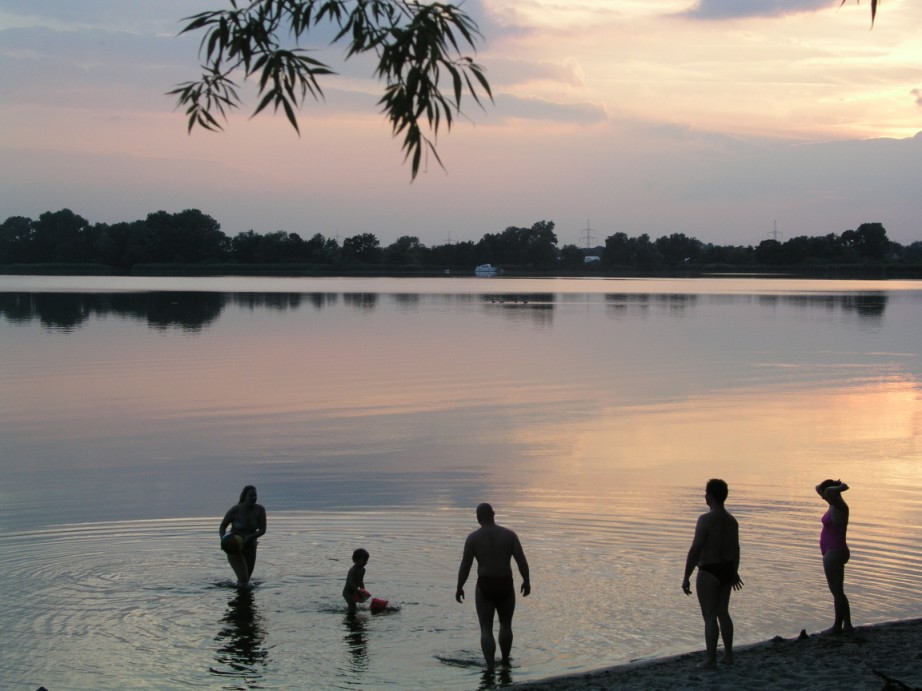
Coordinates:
(493, 546)
(247, 519)
(715, 550)
(835, 551)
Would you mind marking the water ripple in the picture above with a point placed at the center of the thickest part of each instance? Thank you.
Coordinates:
(139, 604)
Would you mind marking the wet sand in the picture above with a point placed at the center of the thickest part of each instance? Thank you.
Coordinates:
(870, 658)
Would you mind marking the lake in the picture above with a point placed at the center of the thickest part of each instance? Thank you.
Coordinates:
(378, 413)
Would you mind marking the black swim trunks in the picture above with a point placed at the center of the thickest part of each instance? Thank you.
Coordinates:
(724, 571)
(496, 588)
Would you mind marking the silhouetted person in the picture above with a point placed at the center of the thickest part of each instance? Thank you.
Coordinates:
(715, 550)
(354, 590)
(246, 519)
(493, 546)
(835, 550)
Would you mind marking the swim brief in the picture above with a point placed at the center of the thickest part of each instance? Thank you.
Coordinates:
(724, 571)
(496, 588)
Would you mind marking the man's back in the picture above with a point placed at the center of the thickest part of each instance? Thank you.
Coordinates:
(493, 546)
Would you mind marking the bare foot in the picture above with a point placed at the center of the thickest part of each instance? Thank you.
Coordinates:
(727, 659)
(708, 664)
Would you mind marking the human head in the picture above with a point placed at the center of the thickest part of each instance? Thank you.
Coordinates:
(245, 491)
(821, 488)
(485, 513)
(360, 555)
(717, 489)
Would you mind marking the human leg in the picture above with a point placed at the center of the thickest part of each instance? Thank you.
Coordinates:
(707, 586)
(725, 623)
(485, 612)
(505, 609)
(250, 555)
(239, 565)
(350, 601)
(834, 566)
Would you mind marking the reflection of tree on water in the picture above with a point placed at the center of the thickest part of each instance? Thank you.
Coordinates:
(279, 302)
(868, 305)
(362, 301)
(241, 653)
(55, 310)
(537, 308)
(195, 311)
(189, 311)
(356, 639)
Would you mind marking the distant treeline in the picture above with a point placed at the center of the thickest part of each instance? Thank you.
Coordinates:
(192, 242)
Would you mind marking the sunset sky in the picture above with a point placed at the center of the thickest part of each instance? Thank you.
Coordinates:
(726, 120)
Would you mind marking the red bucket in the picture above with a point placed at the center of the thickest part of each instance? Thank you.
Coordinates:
(378, 605)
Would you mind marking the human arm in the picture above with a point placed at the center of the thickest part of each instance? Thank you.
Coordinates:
(738, 583)
(833, 494)
(260, 523)
(467, 560)
(228, 519)
(694, 554)
(519, 555)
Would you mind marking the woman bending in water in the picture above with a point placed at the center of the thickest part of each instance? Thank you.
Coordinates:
(715, 550)
(247, 520)
(835, 551)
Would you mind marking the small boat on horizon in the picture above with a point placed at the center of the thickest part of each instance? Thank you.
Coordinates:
(486, 270)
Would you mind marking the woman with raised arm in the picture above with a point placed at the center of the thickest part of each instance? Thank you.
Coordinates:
(835, 551)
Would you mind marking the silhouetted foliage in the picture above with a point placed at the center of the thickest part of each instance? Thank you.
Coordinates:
(417, 46)
(61, 236)
(168, 242)
(407, 250)
(362, 248)
(534, 247)
(15, 240)
(678, 249)
(571, 257)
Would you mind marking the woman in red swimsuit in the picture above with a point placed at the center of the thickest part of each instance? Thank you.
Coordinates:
(835, 550)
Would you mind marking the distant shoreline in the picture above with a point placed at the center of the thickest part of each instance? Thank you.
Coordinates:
(872, 657)
(832, 271)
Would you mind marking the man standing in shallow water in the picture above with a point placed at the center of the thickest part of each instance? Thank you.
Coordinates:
(493, 546)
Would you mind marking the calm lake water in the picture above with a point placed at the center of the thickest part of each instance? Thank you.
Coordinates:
(379, 412)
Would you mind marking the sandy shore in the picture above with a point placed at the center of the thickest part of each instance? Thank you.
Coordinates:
(871, 658)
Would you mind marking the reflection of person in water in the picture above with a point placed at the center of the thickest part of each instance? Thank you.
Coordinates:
(835, 551)
(247, 520)
(715, 550)
(493, 546)
(242, 637)
(356, 639)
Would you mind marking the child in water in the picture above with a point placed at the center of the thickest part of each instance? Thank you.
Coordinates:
(354, 590)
